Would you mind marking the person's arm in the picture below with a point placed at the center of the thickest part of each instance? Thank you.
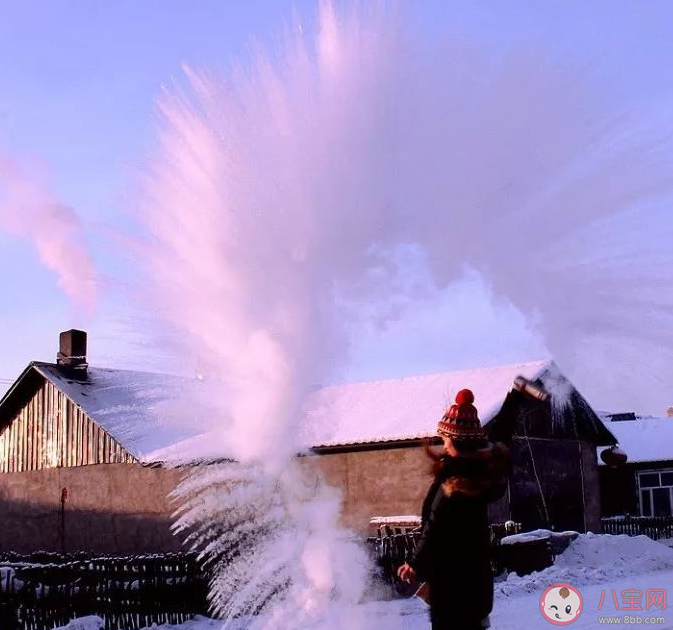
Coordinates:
(406, 572)
(420, 563)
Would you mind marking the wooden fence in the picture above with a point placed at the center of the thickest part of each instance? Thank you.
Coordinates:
(41, 591)
(391, 550)
(656, 527)
(394, 547)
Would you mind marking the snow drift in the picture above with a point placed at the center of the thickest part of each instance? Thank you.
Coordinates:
(594, 559)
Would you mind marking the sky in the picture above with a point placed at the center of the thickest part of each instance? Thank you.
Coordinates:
(78, 85)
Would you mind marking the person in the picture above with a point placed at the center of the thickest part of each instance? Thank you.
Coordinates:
(453, 554)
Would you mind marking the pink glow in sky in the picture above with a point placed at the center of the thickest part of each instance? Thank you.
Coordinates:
(29, 210)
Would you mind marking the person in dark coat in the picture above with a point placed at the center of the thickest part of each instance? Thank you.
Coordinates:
(453, 555)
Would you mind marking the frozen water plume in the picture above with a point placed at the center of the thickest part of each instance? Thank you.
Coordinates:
(277, 209)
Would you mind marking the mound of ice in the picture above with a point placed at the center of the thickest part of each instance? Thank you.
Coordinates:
(594, 559)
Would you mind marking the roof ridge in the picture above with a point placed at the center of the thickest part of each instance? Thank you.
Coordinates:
(108, 369)
(542, 362)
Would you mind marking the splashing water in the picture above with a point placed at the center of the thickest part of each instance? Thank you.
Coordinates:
(272, 544)
(282, 195)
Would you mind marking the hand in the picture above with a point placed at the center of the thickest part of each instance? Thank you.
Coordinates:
(406, 573)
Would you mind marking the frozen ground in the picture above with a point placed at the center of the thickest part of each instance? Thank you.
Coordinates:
(592, 563)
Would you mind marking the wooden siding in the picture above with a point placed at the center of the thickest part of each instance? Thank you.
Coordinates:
(50, 431)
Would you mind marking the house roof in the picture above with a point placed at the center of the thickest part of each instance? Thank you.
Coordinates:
(644, 439)
(391, 410)
(129, 405)
(406, 408)
(139, 408)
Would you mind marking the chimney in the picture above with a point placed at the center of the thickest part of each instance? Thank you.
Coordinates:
(669, 412)
(71, 357)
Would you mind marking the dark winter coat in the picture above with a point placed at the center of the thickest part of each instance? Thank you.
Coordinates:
(454, 553)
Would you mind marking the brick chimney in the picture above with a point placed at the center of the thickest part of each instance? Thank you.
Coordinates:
(669, 412)
(71, 357)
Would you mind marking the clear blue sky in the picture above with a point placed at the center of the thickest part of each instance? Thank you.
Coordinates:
(78, 81)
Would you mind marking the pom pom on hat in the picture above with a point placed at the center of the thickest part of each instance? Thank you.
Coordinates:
(464, 396)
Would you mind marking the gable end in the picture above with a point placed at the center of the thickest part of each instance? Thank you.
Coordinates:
(40, 427)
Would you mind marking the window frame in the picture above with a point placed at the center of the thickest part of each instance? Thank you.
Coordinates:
(649, 490)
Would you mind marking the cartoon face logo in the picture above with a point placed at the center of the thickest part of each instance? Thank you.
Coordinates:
(561, 604)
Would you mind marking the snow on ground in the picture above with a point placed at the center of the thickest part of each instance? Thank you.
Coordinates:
(593, 563)
(595, 559)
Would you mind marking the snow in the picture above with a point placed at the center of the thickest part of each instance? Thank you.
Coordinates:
(537, 534)
(645, 439)
(595, 559)
(592, 563)
(91, 622)
(135, 408)
(395, 520)
(406, 408)
(138, 409)
(513, 613)
(381, 411)
(141, 410)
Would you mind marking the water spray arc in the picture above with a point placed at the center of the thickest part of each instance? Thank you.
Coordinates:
(279, 198)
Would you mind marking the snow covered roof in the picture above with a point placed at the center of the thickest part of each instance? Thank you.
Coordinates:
(406, 408)
(383, 411)
(140, 409)
(645, 439)
(131, 406)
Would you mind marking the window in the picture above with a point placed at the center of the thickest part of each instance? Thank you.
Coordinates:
(661, 499)
(650, 480)
(645, 502)
(656, 493)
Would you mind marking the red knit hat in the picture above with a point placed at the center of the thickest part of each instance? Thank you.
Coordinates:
(461, 421)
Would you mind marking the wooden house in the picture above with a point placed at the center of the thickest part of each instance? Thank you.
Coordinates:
(72, 468)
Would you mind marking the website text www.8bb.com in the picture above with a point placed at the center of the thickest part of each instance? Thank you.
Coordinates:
(632, 619)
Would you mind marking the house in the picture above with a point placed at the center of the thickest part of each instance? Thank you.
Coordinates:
(81, 451)
(72, 474)
(644, 485)
(369, 437)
